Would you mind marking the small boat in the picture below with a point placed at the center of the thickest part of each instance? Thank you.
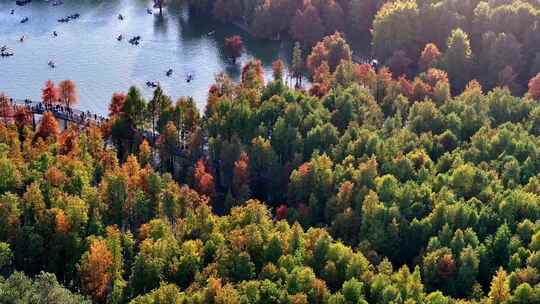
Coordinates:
(120, 17)
(63, 20)
(51, 64)
(55, 34)
(149, 11)
(189, 78)
(211, 33)
(22, 39)
(135, 40)
(3, 48)
(119, 38)
(151, 84)
(22, 2)
(169, 72)
(24, 20)
(12, 11)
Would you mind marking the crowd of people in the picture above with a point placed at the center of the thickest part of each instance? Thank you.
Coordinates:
(59, 111)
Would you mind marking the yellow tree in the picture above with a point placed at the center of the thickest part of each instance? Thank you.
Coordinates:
(500, 289)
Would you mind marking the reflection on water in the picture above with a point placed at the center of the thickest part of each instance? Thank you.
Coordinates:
(87, 51)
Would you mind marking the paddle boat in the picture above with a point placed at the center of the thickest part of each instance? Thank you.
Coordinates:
(151, 84)
(22, 2)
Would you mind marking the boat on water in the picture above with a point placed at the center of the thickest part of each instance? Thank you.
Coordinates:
(151, 84)
(135, 40)
(119, 38)
(22, 2)
(4, 52)
(25, 19)
(149, 11)
(211, 33)
(169, 72)
(120, 17)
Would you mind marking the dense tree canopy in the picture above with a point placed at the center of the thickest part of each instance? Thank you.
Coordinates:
(374, 186)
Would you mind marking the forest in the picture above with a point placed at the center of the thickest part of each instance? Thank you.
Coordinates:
(498, 43)
(375, 191)
(382, 184)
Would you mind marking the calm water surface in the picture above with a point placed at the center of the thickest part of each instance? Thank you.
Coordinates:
(86, 50)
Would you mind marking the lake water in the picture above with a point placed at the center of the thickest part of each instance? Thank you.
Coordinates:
(87, 51)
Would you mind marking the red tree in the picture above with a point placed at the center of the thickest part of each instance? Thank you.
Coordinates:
(204, 181)
(6, 109)
(48, 126)
(534, 87)
(430, 56)
(253, 74)
(333, 49)
(116, 105)
(49, 94)
(22, 117)
(281, 212)
(307, 26)
(95, 270)
(406, 86)
(68, 93)
(277, 69)
(433, 76)
(322, 80)
(234, 47)
(241, 175)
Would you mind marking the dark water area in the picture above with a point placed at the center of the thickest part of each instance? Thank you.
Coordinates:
(86, 50)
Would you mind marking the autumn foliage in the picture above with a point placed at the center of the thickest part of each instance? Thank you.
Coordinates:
(534, 87)
(204, 181)
(50, 93)
(48, 126)
(116, 105)
(429, 57)
(67, 90)
(234, 47)
(95, 271)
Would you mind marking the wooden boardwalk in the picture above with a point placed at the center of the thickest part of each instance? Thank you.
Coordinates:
(60, 112)
(78, 117)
